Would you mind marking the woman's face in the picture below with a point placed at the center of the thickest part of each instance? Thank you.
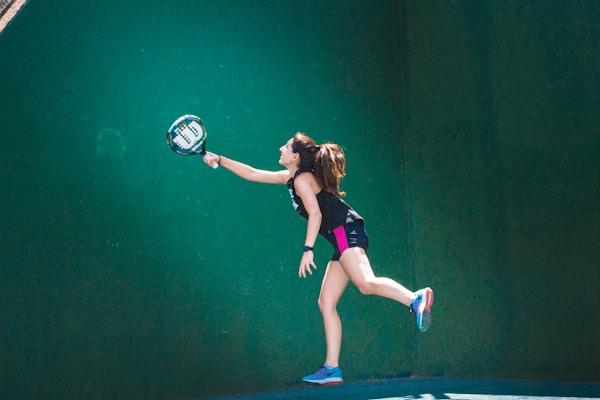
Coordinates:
(288, 157)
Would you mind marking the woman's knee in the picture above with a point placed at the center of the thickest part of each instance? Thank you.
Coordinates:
(366, 286)
(326, 306)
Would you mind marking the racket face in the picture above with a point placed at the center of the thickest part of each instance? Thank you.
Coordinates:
(187, 136)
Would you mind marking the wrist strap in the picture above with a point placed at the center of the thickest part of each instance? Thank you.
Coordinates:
(307, 248)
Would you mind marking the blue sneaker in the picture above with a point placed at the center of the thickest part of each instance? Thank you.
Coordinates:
(421, 306)
(326, 376)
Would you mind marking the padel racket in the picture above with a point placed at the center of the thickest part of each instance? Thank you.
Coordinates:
(187, 136)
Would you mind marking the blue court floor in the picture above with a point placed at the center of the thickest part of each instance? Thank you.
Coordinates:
(436, 388)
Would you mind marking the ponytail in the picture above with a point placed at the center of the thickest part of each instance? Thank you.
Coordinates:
(327, 161)
(330, 167)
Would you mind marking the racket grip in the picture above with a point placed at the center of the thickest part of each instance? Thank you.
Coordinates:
(214, 165)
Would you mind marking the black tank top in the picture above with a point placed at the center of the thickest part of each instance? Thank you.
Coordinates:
(334, 210)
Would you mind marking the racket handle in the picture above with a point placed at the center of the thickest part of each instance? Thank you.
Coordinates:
(214, 165)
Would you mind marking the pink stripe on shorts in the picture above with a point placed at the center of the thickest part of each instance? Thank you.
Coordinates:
(341, 239)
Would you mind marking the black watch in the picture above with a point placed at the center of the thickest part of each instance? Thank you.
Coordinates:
(307, 248)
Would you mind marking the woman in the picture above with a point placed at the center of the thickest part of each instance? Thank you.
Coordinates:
(313, 175)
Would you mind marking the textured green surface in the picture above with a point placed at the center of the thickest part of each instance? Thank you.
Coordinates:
(471, 134)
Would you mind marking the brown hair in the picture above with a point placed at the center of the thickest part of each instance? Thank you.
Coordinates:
(327, 161)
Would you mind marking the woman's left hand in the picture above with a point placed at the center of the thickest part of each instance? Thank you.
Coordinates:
(306, 263)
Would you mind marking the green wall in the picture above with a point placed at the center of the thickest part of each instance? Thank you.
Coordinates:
(502, 154)
(128, 272)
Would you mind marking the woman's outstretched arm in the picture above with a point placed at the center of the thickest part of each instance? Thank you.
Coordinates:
(247, 172)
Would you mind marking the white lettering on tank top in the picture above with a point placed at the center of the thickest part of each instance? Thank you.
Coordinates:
(293, 200)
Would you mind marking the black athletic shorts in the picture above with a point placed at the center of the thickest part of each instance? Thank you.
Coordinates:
(343, 237)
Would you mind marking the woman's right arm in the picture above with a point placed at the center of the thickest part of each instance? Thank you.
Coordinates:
(247, 172)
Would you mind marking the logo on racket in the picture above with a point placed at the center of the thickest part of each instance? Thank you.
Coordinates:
(187, 136)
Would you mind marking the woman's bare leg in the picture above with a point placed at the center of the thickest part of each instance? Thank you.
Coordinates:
(357, 267)
(334, 283)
